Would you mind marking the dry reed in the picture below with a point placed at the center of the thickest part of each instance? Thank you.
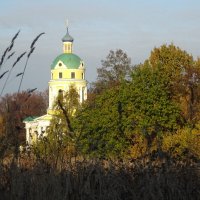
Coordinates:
(8, 49)
(102, 180)
(32, 48)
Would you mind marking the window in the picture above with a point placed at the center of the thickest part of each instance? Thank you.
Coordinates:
(83, 98)
(51, 75)
(60, 74)
(73, 75)
(65, 47)
(82, 75)
(60, 64)
(69, 48)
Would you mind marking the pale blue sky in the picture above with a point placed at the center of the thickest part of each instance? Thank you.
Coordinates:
(136, 26)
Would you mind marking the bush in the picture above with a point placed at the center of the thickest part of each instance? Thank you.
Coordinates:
(184, 143)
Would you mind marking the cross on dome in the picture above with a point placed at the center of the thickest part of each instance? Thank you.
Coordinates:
(67, 23)
(67, 37)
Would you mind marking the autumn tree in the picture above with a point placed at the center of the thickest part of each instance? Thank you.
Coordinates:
(13, 109)
(116, 67)
(148, 104)
(184, 76)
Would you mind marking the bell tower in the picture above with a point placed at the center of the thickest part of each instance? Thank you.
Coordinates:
(67, 70)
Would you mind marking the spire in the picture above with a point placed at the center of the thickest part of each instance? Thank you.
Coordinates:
(67, 41)
(67, 37)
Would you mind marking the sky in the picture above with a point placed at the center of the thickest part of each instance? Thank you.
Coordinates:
(97, 26)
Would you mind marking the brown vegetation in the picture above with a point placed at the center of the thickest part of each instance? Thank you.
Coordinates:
(146, 178)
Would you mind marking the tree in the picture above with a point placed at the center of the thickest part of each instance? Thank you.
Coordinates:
(148, 104)
(115, 68)
(60, 141)
(109, 122)
(100, 127)
(184, 76)
(13, 109)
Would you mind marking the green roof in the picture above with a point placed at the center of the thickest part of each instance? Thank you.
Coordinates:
(29, 119)
(71, 60)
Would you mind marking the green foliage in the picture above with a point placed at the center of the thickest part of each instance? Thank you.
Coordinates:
(108, 124)
(99, 124)
(148, 104)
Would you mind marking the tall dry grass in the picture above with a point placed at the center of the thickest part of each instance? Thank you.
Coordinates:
(103, 180)
(14, 130)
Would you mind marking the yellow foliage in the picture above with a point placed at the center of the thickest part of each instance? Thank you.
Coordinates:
(183, 143)
(140, 147)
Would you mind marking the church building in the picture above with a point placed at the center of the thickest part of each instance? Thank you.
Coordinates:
(67, 70)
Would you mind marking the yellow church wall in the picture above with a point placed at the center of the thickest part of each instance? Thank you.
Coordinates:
(64, 85)
(66, 74)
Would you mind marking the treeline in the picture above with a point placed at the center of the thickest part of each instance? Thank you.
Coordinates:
(133, 111)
